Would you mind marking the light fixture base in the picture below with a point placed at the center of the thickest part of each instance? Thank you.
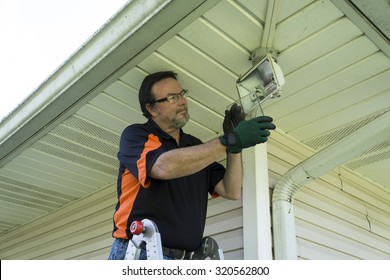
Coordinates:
(258, 54)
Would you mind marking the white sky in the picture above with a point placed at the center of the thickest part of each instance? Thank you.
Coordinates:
(37, 36)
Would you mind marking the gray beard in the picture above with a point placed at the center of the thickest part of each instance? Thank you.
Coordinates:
(179, 123)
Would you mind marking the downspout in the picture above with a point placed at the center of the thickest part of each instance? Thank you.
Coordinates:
(312, 168)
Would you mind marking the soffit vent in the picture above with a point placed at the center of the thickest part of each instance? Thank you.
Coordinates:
(376, 154)
(92, 130)
(320, 142)
(379, 153)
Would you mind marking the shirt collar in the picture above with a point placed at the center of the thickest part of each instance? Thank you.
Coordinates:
(184, 141)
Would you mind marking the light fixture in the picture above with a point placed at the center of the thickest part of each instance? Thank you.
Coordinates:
(260, 83)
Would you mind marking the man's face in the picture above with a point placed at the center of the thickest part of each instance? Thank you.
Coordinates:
(169, 115)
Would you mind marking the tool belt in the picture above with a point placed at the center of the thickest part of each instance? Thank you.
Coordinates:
(208, 250)
(177, 254)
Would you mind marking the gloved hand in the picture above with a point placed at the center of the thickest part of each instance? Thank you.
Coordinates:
(248, 134)
(232, 118)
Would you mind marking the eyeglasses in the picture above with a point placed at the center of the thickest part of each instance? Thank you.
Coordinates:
(173, 97)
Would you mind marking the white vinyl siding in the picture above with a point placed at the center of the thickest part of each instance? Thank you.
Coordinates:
(82, 230)
(339, 216)
(75, 231)
(224, 223)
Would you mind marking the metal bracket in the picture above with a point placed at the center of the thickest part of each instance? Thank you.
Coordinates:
(260, 53)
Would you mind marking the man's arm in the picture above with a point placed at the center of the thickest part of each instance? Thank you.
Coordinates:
(230, 186)
(186, 161)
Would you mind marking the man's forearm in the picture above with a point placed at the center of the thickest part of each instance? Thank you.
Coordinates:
(185, 161)
(232, 180)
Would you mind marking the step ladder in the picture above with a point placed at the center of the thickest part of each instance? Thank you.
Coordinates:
(146, 232)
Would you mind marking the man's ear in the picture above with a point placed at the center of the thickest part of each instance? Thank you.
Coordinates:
(152, 110)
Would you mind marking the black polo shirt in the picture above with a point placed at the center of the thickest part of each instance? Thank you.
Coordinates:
(177, 206)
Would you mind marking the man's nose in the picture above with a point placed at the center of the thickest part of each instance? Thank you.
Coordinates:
(182, 99)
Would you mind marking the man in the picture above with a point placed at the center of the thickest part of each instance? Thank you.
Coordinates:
(165, 175)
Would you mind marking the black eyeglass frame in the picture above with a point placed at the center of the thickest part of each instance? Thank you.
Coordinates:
(172, 96)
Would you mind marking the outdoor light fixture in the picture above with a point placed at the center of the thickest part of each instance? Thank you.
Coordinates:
(263, 81)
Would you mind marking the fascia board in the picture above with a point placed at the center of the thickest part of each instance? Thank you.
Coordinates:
(130, 36)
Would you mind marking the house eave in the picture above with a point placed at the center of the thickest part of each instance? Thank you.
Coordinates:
(133, 34)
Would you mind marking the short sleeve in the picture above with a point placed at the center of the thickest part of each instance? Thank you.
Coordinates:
(217, 172)
(138, 151)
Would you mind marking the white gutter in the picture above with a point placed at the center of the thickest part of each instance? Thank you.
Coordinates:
(314, 167)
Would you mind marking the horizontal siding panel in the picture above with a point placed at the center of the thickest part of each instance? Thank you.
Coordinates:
(341, 86)
(313, 251)
(190, 58)
(125, 93)
(333, 207)
(379, 228)
(317, 45)
(64, 247)
(277, 166)
(370, 194)
(291, 7)
(96, 254)
(231, 240)
(231, 243)
(105, 119)
(75, 232)
(333, 241)
(34, 171)
(335, 193)
(202, 33)
(348, 115)
(335, 103)
(74, 251)
(220, 205)
(77, 158)
(234, 255)
(117, 108)
(379, 214)
(224, 222)
(44, 184)
(133, 79)
(250, 20)
(204, 116)
(58, 171)
(20, 214)
(105, 198)
(25, 191)
(304, 23)
(96, 178)
(357, 187)
(344, 228)
(202, 132)
(342, 58)
(28, 198)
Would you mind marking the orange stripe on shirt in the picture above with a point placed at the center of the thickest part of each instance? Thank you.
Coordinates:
(130, 188)
(153, 143)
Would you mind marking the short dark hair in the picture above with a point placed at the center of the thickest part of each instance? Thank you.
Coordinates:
(145, 94)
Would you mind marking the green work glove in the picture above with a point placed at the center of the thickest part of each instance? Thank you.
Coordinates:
(248, 134)
(232, 118)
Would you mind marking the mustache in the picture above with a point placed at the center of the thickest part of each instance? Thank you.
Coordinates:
(182, 109)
